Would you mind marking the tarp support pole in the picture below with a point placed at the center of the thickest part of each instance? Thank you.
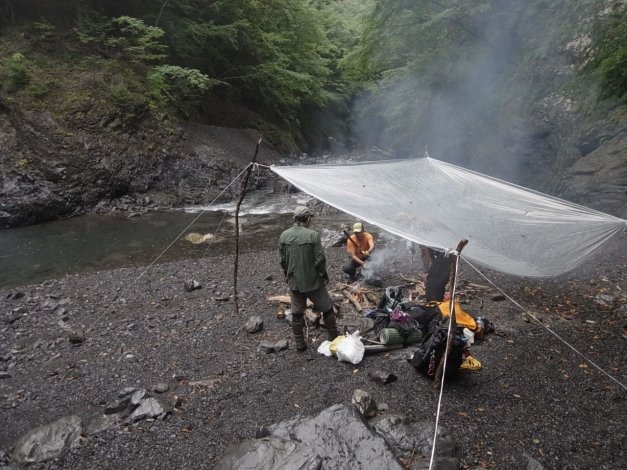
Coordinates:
(239, 203)
(453, 326)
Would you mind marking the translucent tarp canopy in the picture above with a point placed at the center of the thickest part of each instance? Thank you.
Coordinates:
(510, 229)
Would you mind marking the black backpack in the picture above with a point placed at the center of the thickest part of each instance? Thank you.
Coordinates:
(430, 353)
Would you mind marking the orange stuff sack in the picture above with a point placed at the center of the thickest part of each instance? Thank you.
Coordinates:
(462, 318)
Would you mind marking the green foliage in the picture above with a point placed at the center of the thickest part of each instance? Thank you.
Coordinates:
(92, 29)
(121, 95)
(15, 73)
(176, 85)
(43, 31)
(282, 59)
(609, 50)
(137, 41)
(275, 54)
(123, 37)
(131, 103)
(42, 89)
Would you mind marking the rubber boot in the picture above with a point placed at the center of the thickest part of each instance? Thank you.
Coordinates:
(298, 323)
(330, 325)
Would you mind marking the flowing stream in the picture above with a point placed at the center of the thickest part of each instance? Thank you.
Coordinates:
(96, 242)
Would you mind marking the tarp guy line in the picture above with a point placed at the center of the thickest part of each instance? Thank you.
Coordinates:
(527, 312)
(145, 270)
(510, 229)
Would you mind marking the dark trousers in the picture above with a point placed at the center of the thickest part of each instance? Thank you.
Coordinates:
(438, 277)
(351, 266)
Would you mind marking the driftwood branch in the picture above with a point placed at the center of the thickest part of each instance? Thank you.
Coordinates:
(239, 203)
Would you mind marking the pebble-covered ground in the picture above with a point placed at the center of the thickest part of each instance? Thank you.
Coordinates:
(534, 400)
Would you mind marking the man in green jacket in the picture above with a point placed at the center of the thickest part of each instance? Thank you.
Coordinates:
(305, 267)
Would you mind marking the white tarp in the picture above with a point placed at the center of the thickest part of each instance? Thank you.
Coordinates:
(509, 228)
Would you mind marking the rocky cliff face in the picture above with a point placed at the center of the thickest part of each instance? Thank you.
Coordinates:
(51, 169)
(563, 138)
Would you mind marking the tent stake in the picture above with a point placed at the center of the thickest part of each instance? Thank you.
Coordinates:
(239, 203)
(453, 327)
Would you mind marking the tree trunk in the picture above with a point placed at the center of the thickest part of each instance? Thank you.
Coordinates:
(163, 5)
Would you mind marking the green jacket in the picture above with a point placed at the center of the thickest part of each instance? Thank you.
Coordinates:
(302, 259)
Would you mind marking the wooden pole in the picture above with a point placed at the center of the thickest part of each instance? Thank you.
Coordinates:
(453, 327)
(239, 203)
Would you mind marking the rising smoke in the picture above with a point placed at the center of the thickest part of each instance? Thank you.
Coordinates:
(490, 99)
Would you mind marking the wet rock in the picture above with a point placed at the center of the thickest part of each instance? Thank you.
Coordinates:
(364, 403)
(281, 345)
(161, 387)
(267, 347)
(315, 443)
(533, 464)
(439, 463)
(127, 391)
(76, 337)
(115, 407)
(12, 318)
(191, 285)
(382, 377)
(128, 397)
(101, 423)
(15, 295)
(48, 441)
(149, 408)
(253, 325)
(135, 405)
(4, 460)
(331, 238)
(49, 304)
(411, 437)
(60, 311)
(604, 299)
(137, 396)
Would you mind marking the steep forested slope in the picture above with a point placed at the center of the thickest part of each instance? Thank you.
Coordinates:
(95, 94)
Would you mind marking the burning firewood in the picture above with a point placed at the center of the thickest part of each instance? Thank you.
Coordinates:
(352, 299)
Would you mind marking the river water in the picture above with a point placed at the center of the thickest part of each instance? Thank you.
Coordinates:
(96, 242)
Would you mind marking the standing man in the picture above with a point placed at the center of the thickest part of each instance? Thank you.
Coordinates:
(428, 257)
(305, 267)
(359, 247)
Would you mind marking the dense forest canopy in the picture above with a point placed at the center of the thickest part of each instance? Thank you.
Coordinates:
(403, 74)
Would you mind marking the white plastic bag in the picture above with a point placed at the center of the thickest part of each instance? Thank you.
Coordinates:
(351, 349)
(324, 348)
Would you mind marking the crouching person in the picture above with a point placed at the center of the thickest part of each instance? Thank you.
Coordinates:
(305, 267)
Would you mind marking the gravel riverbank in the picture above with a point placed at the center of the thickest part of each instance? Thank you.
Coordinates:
(535, 400)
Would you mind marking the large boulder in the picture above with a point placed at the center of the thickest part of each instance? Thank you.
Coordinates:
(339, 438)
(47, 441)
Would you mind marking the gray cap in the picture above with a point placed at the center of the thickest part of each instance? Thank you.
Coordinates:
(302, 212)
